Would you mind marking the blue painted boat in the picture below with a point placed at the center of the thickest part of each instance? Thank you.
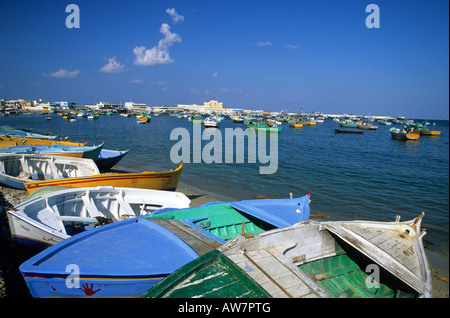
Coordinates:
(109, 158)
(126, 258)
(57, 150)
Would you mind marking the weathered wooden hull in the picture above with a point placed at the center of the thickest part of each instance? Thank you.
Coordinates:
(167, 180)
(311, 260)
(18, 169)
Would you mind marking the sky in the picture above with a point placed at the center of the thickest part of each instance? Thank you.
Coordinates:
(326, 56)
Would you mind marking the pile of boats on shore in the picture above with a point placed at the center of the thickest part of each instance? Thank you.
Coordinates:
(125, 237)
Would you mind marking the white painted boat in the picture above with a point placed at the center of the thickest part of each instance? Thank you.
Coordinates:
(17, 169)
(311, 260)
(211, 122)
(52, 217)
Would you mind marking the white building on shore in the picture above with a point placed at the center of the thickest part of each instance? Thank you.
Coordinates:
(136, 107)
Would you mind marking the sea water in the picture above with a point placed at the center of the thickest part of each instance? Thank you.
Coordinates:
(351, 176)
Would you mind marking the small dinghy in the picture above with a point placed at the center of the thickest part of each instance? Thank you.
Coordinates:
(18, 169)
(52, 217)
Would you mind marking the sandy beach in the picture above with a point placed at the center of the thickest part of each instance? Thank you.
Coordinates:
(12, 255)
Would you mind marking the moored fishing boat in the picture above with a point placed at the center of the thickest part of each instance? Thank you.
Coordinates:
(348, 131)
(117, 260)
(166, 180)
(311, 259)
(52, 217)
(403, 134)
(57, 150)
(211, 121)
(348, 124)
(263, 126)
(366, 126)
(18, 169)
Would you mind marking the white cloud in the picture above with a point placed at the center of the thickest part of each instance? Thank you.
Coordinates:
(267, 43)
(158, 54)
(112, 67)
(174, 15)
(292, 46)
(216, 75)
(63, 73)
(137, 81)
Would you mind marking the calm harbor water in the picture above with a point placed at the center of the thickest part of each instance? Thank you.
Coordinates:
(368, 176)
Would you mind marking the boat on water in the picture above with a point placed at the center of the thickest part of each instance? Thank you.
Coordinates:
(427, 132)
(366, 126)
(263, 126)
(53, 215)
(18, 169)
(403, 134)
(348, 124)
(57, 150)
(347, 131)
(166, 180)
(211, 121)
(126, 258)
(237, 119)
(109, 158)
(354, 259)
(384, 122)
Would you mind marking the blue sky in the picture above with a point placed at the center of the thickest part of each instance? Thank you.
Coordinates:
(253, 54)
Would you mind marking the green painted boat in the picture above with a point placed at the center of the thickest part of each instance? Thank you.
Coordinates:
(263, 126)
(355, 259)
(348, 124)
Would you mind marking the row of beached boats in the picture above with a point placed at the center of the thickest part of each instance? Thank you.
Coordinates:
(124, 236)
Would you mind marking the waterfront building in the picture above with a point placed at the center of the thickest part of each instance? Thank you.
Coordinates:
(136, 107)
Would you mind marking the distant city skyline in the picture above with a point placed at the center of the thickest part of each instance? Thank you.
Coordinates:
(355, 57)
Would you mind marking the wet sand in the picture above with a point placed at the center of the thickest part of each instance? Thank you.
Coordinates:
(12, 255)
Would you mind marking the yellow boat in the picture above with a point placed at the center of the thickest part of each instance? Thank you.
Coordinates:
(296, 125)
(430, 132)
(11, 141)
(167, 180)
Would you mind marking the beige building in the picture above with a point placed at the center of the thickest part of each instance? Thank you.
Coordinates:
(214, 105)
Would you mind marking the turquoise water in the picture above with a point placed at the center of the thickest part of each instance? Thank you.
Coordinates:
(369, 176)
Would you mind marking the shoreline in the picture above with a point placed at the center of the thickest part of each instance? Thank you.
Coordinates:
(12, 255)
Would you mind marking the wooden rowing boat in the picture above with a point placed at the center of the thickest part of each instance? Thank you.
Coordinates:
(311, 260)
(11, 141)
(348, 131)
(167, 180)
(18, 169)
(57, 150)
(52, 217)
(403, 134)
